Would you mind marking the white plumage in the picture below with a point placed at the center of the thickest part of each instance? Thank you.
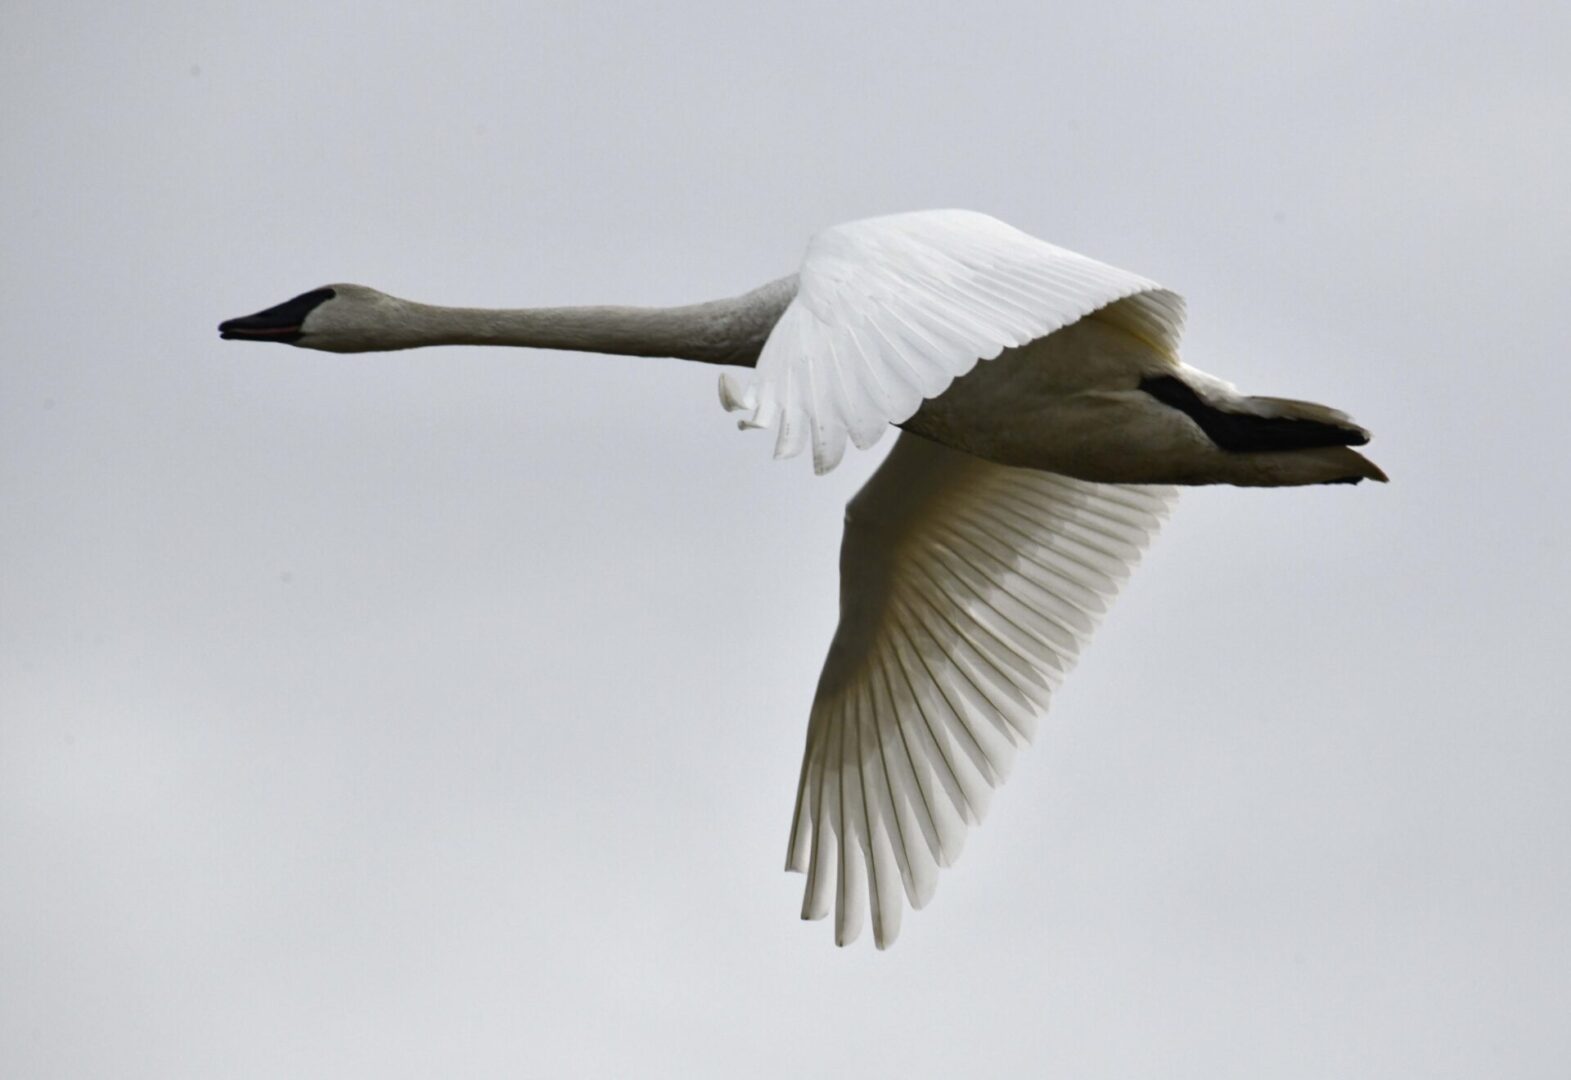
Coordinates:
(1043, 403)
(891, 310)
(967, 589)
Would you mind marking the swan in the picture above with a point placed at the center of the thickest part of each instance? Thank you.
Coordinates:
(1045, 420)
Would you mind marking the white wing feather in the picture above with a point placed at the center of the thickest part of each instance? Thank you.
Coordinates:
(967, 589)
(891, 310)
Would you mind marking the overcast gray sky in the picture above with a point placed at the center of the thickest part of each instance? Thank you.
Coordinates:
(439, 713)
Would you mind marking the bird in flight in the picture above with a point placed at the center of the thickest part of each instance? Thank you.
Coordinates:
(1045, 420)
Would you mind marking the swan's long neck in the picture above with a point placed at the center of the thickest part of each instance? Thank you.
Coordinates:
(718, 332)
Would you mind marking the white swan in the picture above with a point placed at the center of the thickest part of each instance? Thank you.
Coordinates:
(983, 551)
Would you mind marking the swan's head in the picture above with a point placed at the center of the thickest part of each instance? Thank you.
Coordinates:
(337, 318)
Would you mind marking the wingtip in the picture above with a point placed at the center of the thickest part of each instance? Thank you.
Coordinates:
(734, 397)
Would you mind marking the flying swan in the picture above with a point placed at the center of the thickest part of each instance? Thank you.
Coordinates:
(1044, 416)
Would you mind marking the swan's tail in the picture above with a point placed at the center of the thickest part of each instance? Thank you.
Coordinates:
(1270, 441)
(1251, 424)
(1318, 465)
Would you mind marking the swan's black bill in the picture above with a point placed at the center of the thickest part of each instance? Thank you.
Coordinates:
(281, 323)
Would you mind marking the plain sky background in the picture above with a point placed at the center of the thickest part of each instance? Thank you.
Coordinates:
(439, 713)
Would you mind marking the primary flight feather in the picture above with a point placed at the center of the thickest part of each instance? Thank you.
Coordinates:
(1045, 416)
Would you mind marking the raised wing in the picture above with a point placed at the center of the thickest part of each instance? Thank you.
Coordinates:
(891, 310)
(966, 590)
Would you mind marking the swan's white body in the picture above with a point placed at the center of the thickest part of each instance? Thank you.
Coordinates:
(1042, 396)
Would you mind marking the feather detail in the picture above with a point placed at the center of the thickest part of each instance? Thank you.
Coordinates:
(889, 311)
(967, 591)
